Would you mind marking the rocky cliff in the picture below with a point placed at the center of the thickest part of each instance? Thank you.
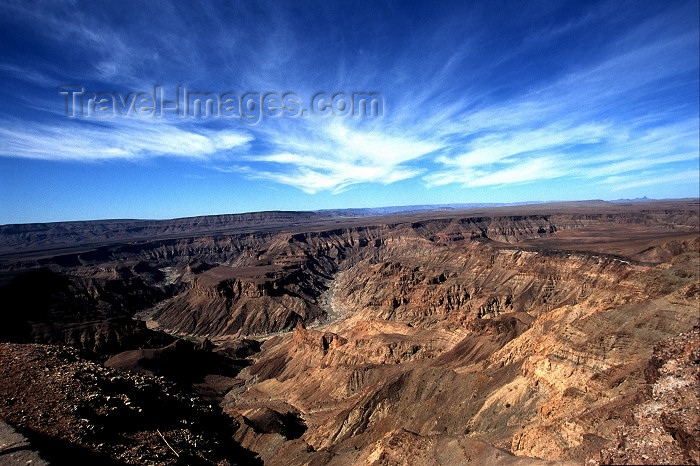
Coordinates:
(554, 377)
(507, 336)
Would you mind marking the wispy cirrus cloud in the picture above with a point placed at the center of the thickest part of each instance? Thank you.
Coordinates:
(334, 157)
(584, 151)
(466, 107)
(650, 178)
(596, 121)
(121, 139)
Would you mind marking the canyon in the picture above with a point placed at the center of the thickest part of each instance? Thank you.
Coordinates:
(558, 333)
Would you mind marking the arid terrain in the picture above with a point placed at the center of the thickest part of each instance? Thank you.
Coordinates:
(559, 333)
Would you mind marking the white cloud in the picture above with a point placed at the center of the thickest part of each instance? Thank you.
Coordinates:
(26, 73)
(519, 156)
(336, 181)
(123, 140)
(526, 171)
(649, 178)
(590, 120)
(317, 157)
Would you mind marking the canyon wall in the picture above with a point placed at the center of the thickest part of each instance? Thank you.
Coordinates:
(435, 339)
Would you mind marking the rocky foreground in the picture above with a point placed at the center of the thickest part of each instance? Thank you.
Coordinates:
(502, 337)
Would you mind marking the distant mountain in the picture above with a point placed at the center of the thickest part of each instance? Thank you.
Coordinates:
(405, 209)
(636, 199)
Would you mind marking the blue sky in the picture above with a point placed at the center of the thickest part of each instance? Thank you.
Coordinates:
(483, 102)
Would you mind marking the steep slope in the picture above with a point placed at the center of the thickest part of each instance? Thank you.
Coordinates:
(79, 412)
(666, 426)
(93, 313)
(441, 338)
(551, 378)
(284, 277)
(245, 300)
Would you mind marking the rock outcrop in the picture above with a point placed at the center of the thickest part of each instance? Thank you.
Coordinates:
(508, 336)
(665, 425)
(75, 410)
(245, 301)
(554, 374)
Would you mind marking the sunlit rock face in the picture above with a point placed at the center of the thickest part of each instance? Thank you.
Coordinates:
(406, 339)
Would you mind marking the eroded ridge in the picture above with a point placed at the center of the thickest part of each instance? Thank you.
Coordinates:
(503, 336)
